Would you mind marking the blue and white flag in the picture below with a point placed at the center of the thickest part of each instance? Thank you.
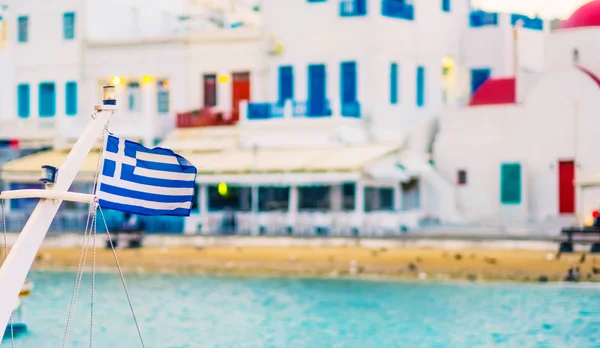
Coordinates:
(138, 180)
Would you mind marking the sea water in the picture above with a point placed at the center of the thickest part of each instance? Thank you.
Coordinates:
(198, 311)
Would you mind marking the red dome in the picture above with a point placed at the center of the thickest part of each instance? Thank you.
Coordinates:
(587, 15)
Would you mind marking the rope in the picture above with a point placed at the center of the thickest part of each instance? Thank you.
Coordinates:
(82, 259)
(122, 278)
(94, 228)
(12, 333)
(90, 224)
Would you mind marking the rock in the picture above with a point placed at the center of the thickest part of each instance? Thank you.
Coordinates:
(458, 257)
(412, 267)
(490, 260)
(472, 277)
(422, 275)
(542, 279)
(595, 270)
(582, 258)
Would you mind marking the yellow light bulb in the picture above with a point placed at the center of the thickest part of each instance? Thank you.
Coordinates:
(147, 79)
(116, 81)
(223, 78)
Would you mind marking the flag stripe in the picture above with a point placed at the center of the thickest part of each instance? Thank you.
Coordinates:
(165, 167)
(129, 175)
(134, 209)
(152, 157)
(119, 191)
(115, 157)
(174, 191)
(143, 203)
(159, 174)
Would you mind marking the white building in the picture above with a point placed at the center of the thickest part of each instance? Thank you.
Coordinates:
(56, 56)
(516, 152)
(343, 101)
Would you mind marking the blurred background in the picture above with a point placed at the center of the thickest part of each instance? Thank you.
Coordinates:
(339, 120)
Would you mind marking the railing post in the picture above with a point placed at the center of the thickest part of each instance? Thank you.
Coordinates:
(288, 109)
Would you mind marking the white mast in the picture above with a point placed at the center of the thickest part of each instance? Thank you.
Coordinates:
(18, 263)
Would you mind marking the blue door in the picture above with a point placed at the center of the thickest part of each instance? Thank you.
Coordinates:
(286, 83)
(348, 82)
(317, 93)
(478, 77)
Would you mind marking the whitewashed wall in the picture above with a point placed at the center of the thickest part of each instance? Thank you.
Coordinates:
(538, 133)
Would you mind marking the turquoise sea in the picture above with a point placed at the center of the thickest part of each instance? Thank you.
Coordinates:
(197, 311)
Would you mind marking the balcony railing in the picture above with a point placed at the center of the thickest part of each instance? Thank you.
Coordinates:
(202, 118)
(397, 9)
(527, 22)
(264, 111)
(478, 19)
(311, 109)
(353, 8)
(351, 109)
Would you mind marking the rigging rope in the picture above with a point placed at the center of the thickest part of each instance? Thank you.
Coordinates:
(10, 321)
(121, 274)
(94, 228)
(90, 224)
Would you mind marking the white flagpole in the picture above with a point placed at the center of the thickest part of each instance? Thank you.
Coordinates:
(18, 263)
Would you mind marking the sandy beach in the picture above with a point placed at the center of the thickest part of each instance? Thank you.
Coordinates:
(426, 263)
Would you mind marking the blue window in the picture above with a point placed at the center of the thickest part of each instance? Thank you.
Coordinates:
(397, 9)
(286, 83)
(23, 100)
(353, 8)
(420, 86)
(348, 82)
(317, 91)
(71, 98)
(394, 83)
(510, 183)
(23, 26)
(478, 77)
(47, 99)
(134, 96)
(348, 87)
(69, 26)
(446, 5)
(480, 18)
(163, 97)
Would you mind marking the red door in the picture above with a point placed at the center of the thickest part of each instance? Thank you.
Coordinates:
(241, 91)
(566, 187)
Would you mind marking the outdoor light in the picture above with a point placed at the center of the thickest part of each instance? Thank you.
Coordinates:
(49, 175)
(109, 96)
(116, 80)
(222, 189)
(223, 78)
(147, 79)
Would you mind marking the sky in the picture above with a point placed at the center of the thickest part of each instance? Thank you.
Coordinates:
(544, 8)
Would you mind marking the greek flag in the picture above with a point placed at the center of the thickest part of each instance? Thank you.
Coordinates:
(138, 180)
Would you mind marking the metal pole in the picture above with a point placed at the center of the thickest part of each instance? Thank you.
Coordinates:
(18, 263)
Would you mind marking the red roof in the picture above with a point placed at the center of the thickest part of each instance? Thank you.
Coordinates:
(587, 15)
(590, 74)
(495, 91)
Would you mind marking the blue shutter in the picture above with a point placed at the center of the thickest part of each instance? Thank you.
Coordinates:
(394, 83)
(23, 100)
(23, 29)
(47, 99)
(71, 98)
(446, 5)
(163, 97)
(348, 82)
(286, 83)
(478, 77)
(69, 26)
(420, 86)
(510, 183)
